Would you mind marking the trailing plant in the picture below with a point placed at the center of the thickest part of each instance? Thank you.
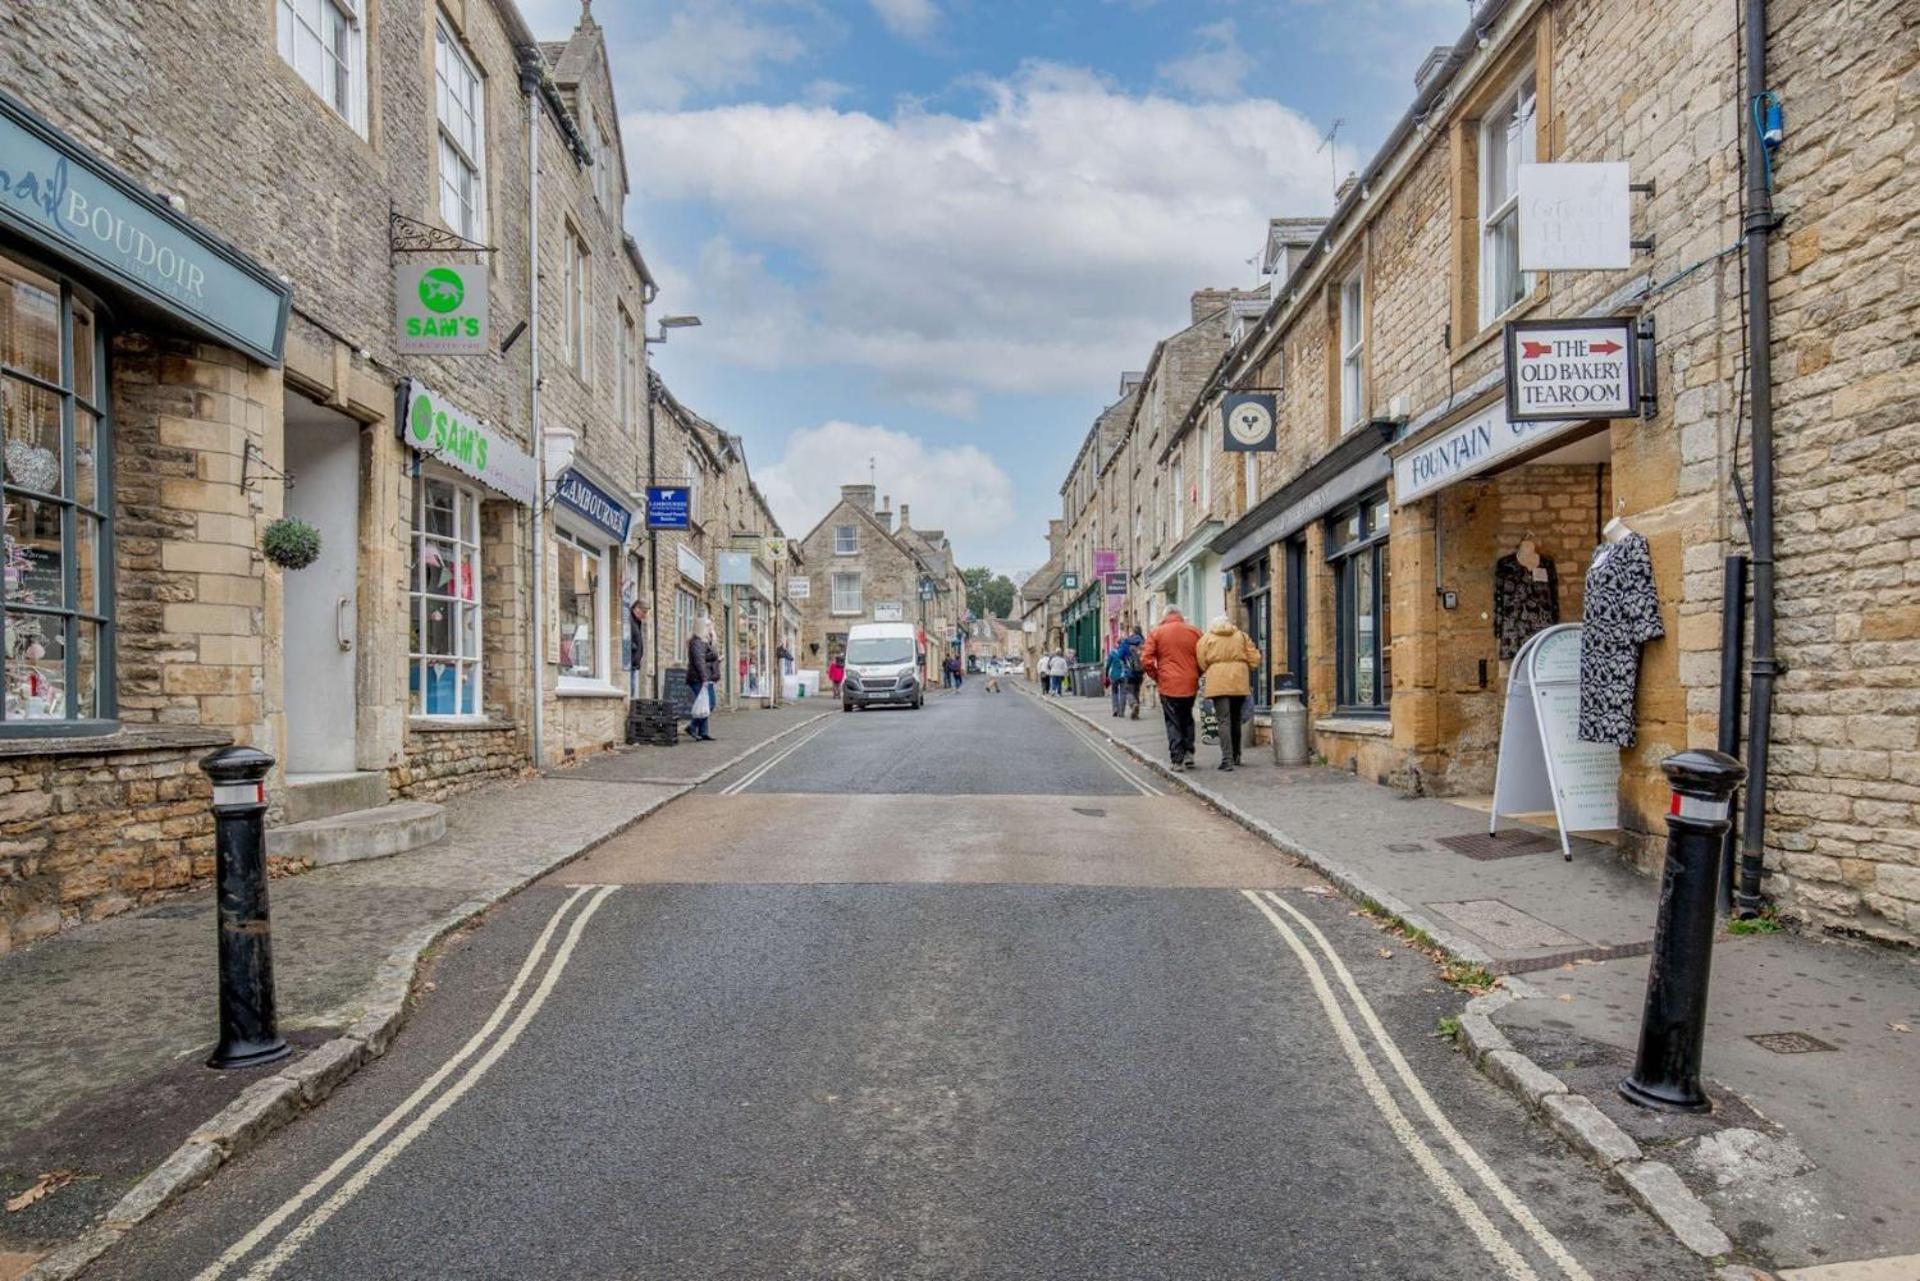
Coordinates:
(291, 543)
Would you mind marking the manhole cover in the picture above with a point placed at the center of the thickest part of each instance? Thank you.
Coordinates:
(1504, 925)
(1790, 1043)
(1483, 846)
(1090, 813)
(1407, 847)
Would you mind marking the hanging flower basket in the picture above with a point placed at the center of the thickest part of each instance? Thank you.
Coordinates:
(290, 543)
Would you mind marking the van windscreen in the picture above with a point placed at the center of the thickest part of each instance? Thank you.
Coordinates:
(873, 650)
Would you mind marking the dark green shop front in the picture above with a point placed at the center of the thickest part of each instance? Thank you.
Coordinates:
(1082, 624)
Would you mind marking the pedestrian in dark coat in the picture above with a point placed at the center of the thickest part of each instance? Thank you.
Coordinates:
(703, 674)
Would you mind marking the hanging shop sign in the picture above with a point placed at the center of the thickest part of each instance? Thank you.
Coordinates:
(692, 566)
(80, 210)
(1543, 764)
(599, 507)
(1574, 217)
(889, 611)
(1069, 582)
(774, 549)
(442, 430)
(1467, 449)
(1248, 422)
(736, 569)
(1559, 369)
(669, 506)
(799, 588)
(440, 308)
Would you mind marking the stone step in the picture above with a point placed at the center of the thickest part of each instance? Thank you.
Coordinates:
(311, 796)
(359, 834)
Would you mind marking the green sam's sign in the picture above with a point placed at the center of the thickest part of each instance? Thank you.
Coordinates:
(433, 426)
(440, 308)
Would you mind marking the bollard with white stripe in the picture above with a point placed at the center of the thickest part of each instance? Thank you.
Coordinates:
(248, 1035)
(1666, 1072)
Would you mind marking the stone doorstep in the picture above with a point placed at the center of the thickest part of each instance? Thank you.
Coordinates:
(1574, 1117)
(360, 834)
(312, 796)
(272, 1102)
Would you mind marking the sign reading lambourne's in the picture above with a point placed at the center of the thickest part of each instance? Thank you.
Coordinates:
(443, 431)
(80, 211)
(440, 309)
(1571, 369)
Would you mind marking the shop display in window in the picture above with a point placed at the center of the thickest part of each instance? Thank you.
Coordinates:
(445, 624)
(1622, 614)
(1526, 596)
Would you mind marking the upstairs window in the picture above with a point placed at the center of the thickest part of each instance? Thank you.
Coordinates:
(578, 297)
(627, 377)
(846, 540)
(460, 102)
(325, 42)
(1353, 344)
(1507, 141)
(846, 594)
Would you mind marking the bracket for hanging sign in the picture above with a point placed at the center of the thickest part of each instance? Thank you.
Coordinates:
(255, 468)
(1649, 379)
(411, 236)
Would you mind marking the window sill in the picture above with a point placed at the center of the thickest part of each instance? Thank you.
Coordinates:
(1366, 726)
(1493, 329)
(588, 689)
(123, 738)
(455, 724)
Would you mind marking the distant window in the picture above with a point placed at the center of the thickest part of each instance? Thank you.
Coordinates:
(460, 97)
(323, 41)
(578, 297)
(626, 391)
(846, 594)
(846, 540)
(606, 164)
(1179, 501)
(1353, 341)
(1507, 141)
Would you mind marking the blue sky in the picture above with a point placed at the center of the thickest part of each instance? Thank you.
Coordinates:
(934, 232)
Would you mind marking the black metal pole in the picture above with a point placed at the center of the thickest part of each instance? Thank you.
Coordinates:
(1733, 640)
(1666, 1072)
(248, 1036)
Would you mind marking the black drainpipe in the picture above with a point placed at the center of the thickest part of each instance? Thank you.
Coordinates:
(1758, 228)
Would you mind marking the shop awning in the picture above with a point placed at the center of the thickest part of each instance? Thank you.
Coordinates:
(1354, 465)
(1478, 443)
(1183, 554)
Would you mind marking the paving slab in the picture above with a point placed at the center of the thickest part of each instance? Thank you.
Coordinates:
(690, 760)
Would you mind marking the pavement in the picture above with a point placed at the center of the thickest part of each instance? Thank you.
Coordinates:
(1812, 1154)
(1050, 1034)
(104, 1029)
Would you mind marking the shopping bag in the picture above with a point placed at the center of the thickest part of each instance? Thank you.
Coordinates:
(702, 703)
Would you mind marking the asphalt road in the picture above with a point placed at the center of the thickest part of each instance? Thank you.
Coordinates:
(946, 994)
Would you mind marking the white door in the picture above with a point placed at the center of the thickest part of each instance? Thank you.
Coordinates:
(321, 638)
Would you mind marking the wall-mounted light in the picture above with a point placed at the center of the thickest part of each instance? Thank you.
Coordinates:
(672, 322)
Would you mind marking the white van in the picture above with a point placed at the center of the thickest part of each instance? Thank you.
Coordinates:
(882, 666)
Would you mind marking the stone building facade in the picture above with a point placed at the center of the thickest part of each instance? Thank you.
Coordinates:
(1367, 557)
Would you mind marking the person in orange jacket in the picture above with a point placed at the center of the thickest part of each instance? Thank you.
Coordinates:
(1170, 659)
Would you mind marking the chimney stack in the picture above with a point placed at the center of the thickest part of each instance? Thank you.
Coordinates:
(860, 496)
(904, 522)
(1208, 301)
(886, 511)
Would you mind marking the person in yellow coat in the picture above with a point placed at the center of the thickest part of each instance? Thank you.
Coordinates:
(1227, 657)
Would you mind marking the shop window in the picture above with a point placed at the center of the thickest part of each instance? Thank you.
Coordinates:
(686, 618)
(582, 602)
(846, 540)
(325, 42)
(576, 287)
(1357, 549)
(1507, 141)
(444, 674)
(846, 594)
(460, 99)
(56, 663)
(1256, 611)
(1353, 344)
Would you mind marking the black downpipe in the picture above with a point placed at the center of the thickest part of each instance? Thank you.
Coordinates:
(1733, 643)
(1758, 228)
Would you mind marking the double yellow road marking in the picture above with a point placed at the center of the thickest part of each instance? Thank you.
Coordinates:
(394, 1133)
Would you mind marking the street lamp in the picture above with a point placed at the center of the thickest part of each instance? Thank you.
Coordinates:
(672, 322)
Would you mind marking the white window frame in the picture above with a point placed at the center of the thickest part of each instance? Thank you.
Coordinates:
(333, 71)
(848, 546)
(576, 288)
(1353, 351)
(693, 488)
(606, 159)
(601, 682)
(1179, 498)
(686, 618)
(468, 671)
(1206, 468)
(1513, 115)
(626, 377)
(460, 108)
(836, 602)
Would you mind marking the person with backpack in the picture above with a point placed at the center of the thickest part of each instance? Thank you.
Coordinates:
(1114, 677)
(1136, 673)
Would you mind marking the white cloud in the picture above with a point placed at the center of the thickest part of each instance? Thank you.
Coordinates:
(1036, 246)
(686, 49)
(957, 488)
(1217, 67)
(908, 19)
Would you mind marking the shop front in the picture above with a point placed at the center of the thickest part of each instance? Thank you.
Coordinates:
(1081, 623)
(135, 608)
(588, 542)
(1188, 578)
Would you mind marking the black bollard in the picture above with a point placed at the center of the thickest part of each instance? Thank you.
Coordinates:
(248, 1036)
(1666, 1073)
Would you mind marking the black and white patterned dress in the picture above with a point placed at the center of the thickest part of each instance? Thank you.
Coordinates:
(1522, 602)
(1622, 614)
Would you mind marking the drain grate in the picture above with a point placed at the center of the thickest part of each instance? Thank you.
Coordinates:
(1790, 1043)
(1090, 813)
(1485, 846)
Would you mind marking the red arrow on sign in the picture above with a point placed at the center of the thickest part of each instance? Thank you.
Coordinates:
(1534, 350)
(1603, 348)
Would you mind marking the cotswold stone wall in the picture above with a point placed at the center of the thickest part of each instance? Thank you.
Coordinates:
(444, 759)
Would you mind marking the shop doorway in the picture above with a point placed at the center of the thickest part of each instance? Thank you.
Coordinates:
(320, 618)
(1296, 619)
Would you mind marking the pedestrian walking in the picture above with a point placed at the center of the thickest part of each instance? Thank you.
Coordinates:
(1057, 673)
(1169, 658)
(836, 672)
(636, 644)
(1115, 675)
(703, 671)
(1136, 676)
(1227, 657)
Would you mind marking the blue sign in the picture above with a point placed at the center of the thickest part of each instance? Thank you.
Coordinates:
(86, 214)
(668, 507)
(595, 503)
